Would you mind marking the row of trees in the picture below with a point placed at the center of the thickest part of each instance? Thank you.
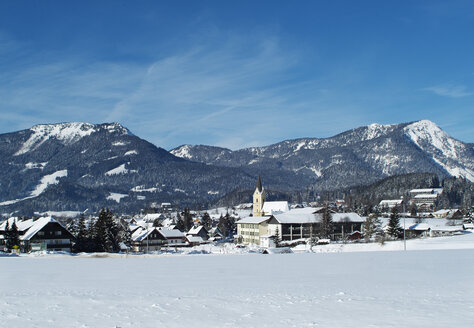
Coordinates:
(101, 235)
(12, 236)
(226, 223)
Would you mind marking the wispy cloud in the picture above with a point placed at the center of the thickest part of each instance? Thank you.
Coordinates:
(222, 90)
(449, 90)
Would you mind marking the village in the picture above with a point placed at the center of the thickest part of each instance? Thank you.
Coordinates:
(268, 226)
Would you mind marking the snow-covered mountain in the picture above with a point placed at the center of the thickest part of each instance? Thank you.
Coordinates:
(78, 166)
(353, 157)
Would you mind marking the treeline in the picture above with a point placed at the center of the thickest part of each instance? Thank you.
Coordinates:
(101, 235)
(226, 223)
(457, 192)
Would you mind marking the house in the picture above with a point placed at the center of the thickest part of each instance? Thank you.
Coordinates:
(390, 203)
(148, 239)
(166, 207)
(215, 234)
(453, 214)
(250, 229)
(151, 217)
(468, 226)
(45, 233)
(194, 240)
(174, 237)
(425, 199)
(198, 231)
(418, 230)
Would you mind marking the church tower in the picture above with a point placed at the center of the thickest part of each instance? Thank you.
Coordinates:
(258, 198)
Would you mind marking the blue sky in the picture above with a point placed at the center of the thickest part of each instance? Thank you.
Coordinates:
(237, 73)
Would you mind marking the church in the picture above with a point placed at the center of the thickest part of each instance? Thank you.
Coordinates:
(275, 218)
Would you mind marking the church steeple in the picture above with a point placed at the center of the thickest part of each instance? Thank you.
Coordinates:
(259, 184)
(258, 198)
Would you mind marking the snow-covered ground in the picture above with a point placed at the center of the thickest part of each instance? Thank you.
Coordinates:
(417, 288)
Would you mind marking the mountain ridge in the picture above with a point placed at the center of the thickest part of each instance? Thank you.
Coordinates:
(435, 145)
(75, 166)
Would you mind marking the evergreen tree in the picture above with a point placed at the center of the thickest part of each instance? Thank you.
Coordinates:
(226, 225)
(394, 223)
(326, 227)
(126, 236)
(370, 226)
(180, 224)
(91, 241)
(157, 223)
(206, 221)
(7, 236)
(276, 237)
(12, 236)
(81, 237)
(413, 210)
(107, 232)
(187, 219)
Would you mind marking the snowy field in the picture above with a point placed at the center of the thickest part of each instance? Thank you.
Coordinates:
(431, 285)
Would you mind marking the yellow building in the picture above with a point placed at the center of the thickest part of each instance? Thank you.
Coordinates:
(258, 199)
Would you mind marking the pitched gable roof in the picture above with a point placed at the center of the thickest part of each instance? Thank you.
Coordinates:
(37, 226)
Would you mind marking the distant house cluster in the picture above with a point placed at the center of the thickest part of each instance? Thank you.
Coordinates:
(424, 200)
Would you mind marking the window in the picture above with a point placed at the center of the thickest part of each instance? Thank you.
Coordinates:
(57, 233)
(41, 233)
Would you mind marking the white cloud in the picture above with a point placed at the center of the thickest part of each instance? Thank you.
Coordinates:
(452, 91)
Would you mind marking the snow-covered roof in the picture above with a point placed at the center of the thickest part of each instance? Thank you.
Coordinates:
(426, 196)
(281, 250)
(447, 228)
(215, 231)
(37, 226)
(274, 207)
(342, 217)
(307, 215)
(195, 239)
(298, 216)
(419, 227)
(168, 222)
(427, 191)
(195, 230)
(21, 225)
(141, 233)
(244, 206)
(254, 219)
(153, 216)
(167, 233)
(391, 202)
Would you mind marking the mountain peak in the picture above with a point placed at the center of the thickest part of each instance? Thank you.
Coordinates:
(66, 133)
